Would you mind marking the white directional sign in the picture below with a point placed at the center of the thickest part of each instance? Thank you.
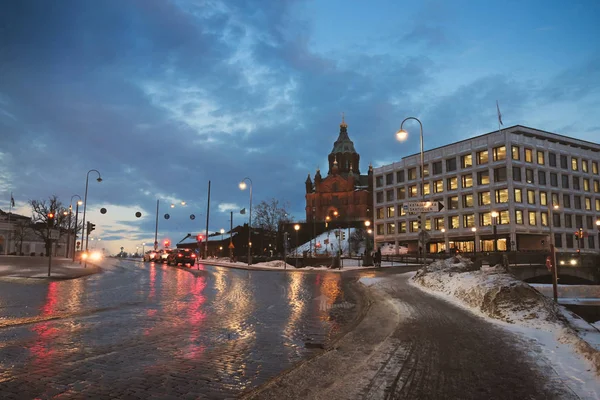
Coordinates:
(415, 207)
(54, 234)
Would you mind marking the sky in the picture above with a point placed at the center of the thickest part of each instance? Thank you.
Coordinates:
(163, 96)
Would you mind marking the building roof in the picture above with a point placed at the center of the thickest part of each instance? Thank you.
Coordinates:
(343, 144)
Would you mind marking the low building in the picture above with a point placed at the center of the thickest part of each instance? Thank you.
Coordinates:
(509, 189)
(17, 237)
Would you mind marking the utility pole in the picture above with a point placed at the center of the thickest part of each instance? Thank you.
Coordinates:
(207, 216)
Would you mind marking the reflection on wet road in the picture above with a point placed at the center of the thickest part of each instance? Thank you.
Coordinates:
(146, 330)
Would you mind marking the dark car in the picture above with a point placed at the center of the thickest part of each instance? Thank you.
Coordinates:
(181, 256)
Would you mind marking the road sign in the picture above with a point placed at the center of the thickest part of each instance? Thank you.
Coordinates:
(54, 234)
(231, 246)
(415, 207)
(155, 245)
(424, 237)
(192, 217)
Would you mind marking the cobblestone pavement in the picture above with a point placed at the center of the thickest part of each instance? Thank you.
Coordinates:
(144, 331)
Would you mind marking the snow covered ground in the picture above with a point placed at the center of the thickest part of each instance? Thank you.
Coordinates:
(570, 343)
(349, 265)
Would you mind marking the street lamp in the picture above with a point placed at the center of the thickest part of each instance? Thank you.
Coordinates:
(444, 234)
(402, 135)
(474, 230)
(297, 228)
(368, 259)
(222, 233)
(494, 221)
(99, 179)
(243, 187)
(553, 252)
(143, 248)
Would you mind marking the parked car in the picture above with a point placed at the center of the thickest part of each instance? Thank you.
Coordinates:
(181, 256)
(161, 255)
(150, 255)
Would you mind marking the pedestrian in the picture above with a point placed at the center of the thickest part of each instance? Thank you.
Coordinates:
(377, 257)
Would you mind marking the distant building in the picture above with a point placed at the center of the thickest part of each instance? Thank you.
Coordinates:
(520, 180)
(18, 237)
(344, 190)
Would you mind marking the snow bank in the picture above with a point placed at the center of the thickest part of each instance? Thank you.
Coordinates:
(499, 295)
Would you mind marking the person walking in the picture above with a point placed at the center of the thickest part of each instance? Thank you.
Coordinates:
(377, 258)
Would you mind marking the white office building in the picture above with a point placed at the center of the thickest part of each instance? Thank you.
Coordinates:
(503, 188)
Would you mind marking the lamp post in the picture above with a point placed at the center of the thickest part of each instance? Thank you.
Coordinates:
(494, 221)
(243, 187)
(598, 226)
(474, 230)
(221, 247)
(297, 228)
(402, 135)
(368, 260)
(553, 251)
(314, 233)
(79, 202)
(444, 237)
(99, 179)
(143, 249)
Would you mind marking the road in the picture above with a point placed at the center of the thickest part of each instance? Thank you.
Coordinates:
(412, 345)
(144, 331)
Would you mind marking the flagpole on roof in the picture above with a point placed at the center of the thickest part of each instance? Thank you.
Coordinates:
(499, 117)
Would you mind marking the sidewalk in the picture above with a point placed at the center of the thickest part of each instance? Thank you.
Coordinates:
(279, 265)
(12, 267)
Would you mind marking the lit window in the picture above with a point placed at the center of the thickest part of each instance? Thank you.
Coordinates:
(501, 196)
(452, 183)
(380, 213)
(468, 220)
(519, 217)
(453, 222)
(588, 204)
(594, 167)
(467, 200)
(391, 228)
(467, 181)
(453, 203)
(544, 218)
(426, 188)
(414, 226)
(504, 217)
(529, 155)
(412, 191)
(499, 153)
(484, 198)
(531, 197)
(516, 153)
(483, 177)
(466, 161)
(518, 196)
(438, 186)
(586, 184)
(540, 157)
(584, 165)
(439, 223)
(543, 198)
(485, 219)
(532, 218)
(574, 164)
(390, 212)
(402, 227)
(482, 157)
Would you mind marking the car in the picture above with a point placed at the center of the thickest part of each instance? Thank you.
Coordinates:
(161, 255)
(150, 255)
(181, 256)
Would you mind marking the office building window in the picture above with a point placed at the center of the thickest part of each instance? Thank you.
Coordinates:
(531, 197)
(453, 222)
(597, 201)
(555, 201)
(595, 167)
(426, 188)
(591, 242)
(532, 218)
(379, 197)
(578, 221)
(516, 174)
(516, 154)
(569, 241)
(568, 221)
(556, 220)
(467, 200)
(401, 210)
(589, 222)
(529, 155)
(402, 227)
(558, 240)
(452, 183)
(518, 195)
(586, 184)
(542, 178)
(453, 203)
(552, 159)
(482, 157)
(437, 167)
(485, 218)
(588, 204)
(380, 213)
(565, 181)
(564, 162)
(483, 177)
(574, 164)
(391, 228)
(484, 198)
(566, 200)
(576, 183)
(466, 161)
(379, 181)
(468, 220)
(504, 217)
(412, 174)
(438, 223)
(528, 175)
(596, 186)
(553, 179)
(426, 169)
(400, 176)
(544, 218)
(414, 226)
(412, 191)
(401, 193)
(467, 181)
(584, 165)
(500, 174)
(519, 217)
(389, 195)
(543, 198)
(380, 229)
(499, 153)
(501, 196)
(390, 212)
(389, 179)
(451, 164)
(577, 202)
(540, 157)
(438, 186)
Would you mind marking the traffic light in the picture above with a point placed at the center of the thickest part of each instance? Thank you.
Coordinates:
(199, 238)
(51, 216)
(343, 235)
(167, 243)
(420, 223)
(90, 227)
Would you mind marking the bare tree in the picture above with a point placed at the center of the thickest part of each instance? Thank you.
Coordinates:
(20, 233)
(269, 216)
(356, 239)
(41, 210)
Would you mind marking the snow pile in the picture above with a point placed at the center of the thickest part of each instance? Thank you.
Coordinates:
(499, 295)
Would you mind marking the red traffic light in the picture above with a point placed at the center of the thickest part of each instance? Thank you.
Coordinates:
(199, 238)
(50, 215)
(167, 243)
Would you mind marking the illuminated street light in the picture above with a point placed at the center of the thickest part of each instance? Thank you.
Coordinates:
(553, 251)
(297, 228)
(99, 179)
(368, 260)
(243, 187)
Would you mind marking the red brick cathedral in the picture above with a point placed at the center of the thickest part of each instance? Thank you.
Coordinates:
(344, 189)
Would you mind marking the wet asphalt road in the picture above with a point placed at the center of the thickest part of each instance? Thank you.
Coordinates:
(151, 331)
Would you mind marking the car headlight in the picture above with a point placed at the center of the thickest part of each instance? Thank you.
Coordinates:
(96, 256)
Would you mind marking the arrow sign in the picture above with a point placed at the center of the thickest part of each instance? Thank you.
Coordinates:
(416, 207)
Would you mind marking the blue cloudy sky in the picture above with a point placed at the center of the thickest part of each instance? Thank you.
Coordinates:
(162, 96)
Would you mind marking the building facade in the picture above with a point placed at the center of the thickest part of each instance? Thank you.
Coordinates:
(344, 194)
(505, 190)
